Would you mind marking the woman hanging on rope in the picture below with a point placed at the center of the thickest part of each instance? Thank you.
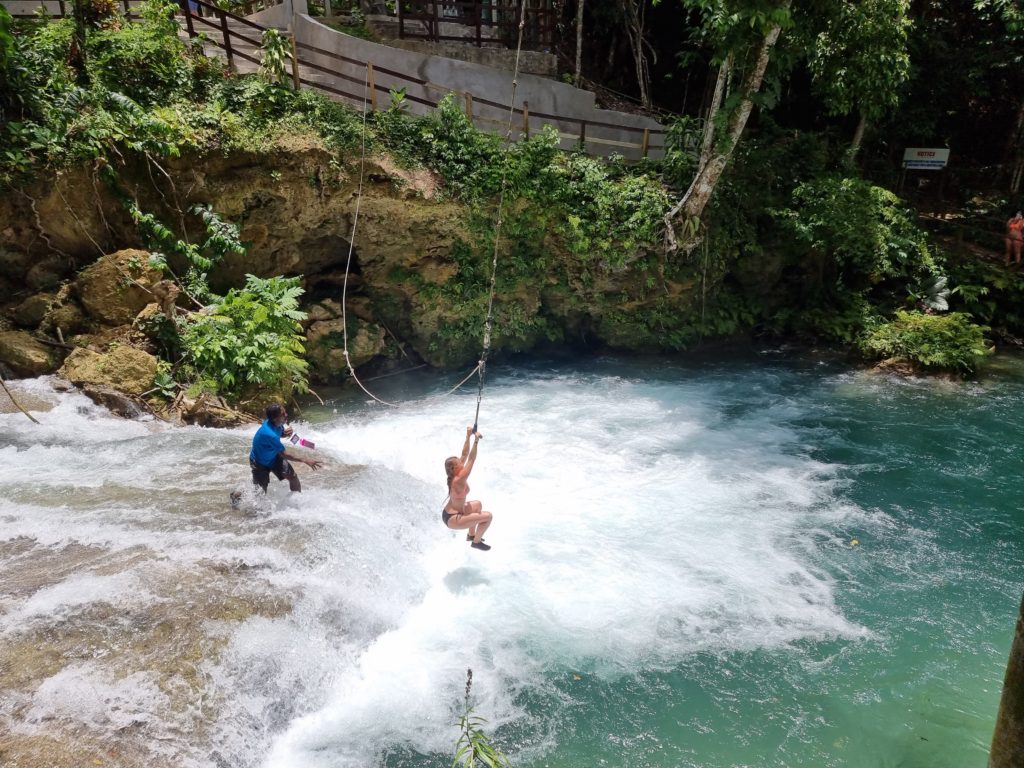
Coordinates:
(458, 513)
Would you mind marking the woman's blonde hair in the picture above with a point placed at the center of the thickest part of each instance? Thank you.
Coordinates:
(449, 468)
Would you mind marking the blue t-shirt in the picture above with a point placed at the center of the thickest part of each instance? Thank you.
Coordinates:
(266, 444)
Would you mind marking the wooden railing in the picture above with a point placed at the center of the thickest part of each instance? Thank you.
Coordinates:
(218, 27)
(200, 15)
(370, 91)
(130, 8)
(127, 7)
(490, 21)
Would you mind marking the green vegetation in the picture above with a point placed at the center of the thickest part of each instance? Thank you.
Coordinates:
(788, 241)
(249, 338)
(944, 342)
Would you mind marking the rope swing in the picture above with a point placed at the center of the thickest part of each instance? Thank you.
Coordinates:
(481, 367)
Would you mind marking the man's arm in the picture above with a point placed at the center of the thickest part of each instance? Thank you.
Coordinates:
(312, 463)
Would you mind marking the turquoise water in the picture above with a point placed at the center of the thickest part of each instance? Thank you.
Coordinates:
(756, 561)
(927, 473)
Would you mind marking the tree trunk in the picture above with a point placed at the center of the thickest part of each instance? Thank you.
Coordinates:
(76, 54)
(708, 141)
(579, 43)
(635, 12)
(858, 136)
(1008, 740)
(1013, 141)
(692, 205)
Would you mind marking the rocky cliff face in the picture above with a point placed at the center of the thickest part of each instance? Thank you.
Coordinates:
(295, 207)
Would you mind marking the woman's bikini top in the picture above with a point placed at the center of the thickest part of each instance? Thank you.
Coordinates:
(457, 500)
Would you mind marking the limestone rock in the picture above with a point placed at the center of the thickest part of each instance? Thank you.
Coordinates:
(64, 314)
(107, 291)
(24, 355)
(328, 309)
(30, 313)
(47, 272)
(123, 368)
(114, 401)
(325, 346)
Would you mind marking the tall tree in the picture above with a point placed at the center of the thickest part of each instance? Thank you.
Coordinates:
(634, 14)
(577, 78)
(743, 34)
(860, 60)
(1011, 13)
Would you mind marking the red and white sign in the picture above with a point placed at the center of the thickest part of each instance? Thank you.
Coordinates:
(925, 159)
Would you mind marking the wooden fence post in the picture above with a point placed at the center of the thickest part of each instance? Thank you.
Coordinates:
(188, 19)
(372, 85)
(295, 63)
(469, 106)
(583, 134)
(646, 144)
(227, 36)
(63, 10)
(526, 119)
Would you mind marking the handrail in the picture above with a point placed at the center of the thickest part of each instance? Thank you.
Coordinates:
(476, 99)
(569, 128)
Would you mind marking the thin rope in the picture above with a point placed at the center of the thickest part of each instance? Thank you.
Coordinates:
(481, 366)
(489, 323)
(351, 248)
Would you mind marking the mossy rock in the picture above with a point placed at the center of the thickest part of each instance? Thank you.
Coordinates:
(325, 344)
(123, 368)
(114, 289)
(25, 355)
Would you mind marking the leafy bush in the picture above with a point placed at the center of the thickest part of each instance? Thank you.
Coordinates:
(946, 342)
(250, 337)
(608, 214)
(145, 61)
(865, 230)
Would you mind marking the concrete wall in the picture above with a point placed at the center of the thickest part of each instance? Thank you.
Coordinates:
(280, 15)
(572, 106)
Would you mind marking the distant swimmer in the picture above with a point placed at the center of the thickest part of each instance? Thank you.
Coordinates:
(460, 514)
(1015, 237)
(269, 455)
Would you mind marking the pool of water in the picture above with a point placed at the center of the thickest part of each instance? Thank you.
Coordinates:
(767, 561)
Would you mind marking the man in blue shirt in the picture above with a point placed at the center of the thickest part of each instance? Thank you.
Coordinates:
(269, 455)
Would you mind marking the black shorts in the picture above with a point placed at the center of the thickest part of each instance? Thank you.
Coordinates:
(261, 474)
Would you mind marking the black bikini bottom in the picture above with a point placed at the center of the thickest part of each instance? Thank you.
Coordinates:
(446, 516)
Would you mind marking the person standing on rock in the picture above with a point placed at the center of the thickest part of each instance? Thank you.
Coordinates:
(1014, 238)
(269, 455)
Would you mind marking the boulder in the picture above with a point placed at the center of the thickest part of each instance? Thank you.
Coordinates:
(47, 272)
(114, 401)
(30, 313)
(123, 368)
(325, 344)
(26, 356)
(117, 287)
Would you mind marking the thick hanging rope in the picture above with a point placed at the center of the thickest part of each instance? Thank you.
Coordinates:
(489, 323)
(480, 367)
